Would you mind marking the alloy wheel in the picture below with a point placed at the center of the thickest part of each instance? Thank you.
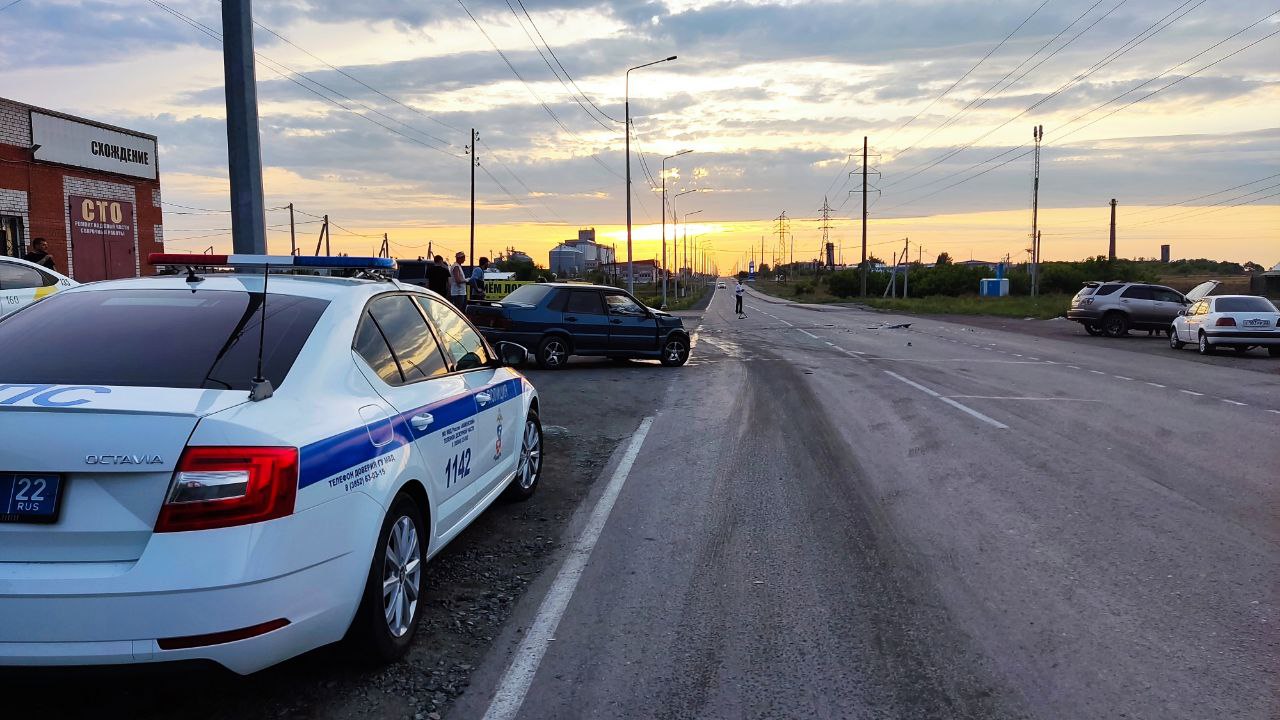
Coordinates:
(554, 353)
(401, 576)
(530, 456)
(675, 351)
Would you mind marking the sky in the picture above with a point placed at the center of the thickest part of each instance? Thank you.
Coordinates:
(1172, 107)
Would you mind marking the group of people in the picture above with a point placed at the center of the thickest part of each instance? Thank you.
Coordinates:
(452, 281)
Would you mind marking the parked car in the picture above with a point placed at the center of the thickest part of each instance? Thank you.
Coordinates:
(22, 283)
(181, 483)
(1115, 308)
(720, 285)
(557, 320)
(1239, 322)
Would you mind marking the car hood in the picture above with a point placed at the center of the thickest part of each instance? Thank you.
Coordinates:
(1198, 292)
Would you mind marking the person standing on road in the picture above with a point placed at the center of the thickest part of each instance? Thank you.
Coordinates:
(438, 277)
(738, 291)
(39, 254)
(477, 279)
(458, 282)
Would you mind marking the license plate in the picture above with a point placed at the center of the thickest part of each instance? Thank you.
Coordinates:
(1256, 322)
(29, 497)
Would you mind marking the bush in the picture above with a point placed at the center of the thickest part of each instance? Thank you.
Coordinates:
(845, 283)
(802, 288)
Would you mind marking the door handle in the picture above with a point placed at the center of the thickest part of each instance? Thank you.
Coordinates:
(616, 321)
(422, 421)
(483, 398)
(571, 319)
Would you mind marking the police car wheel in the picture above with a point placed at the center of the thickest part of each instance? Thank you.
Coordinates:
(529, 466)
(387, 619)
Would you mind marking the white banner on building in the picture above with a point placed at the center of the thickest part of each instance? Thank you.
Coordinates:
(68, 142)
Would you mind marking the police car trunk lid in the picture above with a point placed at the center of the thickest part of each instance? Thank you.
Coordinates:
(113, 449)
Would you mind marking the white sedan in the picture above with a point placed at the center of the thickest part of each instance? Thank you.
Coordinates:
(22, 283)
(180, 483)
(1236, 321)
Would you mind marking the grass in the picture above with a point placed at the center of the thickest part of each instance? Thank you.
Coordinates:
(655, 299)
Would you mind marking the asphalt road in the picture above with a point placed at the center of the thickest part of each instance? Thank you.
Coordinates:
(827, 520)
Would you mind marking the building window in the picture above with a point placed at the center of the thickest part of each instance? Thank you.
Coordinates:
(12, 242)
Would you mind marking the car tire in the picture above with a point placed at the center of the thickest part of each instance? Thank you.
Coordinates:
(1092, 329)
(675, 350)
(1273, 351)
(1115, 324)
(380, 632)
(529, 465)
(1204, 346)
(553, 352)
(1174, 342)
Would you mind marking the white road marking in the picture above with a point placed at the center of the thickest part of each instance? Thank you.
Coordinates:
(1234, 402)
(515, 683)
(1074, 367)
(1156, 385)
(1274, 411)
(1048, 362)
(829, 343)
(1192, 392)
(1097, 372)
(1005, 397)
(784, 322)
(806, 332)
(947, 400)
(1034, 358)
(1121, 377)
(1017, 355)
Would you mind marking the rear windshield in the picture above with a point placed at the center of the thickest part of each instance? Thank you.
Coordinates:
(528, 294)
(1085, 291)
(1106, 290)
(1244, 304)
(155, 338)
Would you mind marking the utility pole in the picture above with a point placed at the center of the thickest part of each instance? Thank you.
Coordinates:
(244, 148)
(293, 235)
(323, 237)
(1111, 251)
(825, 227)
(864, 216)
(906, 265)
(1038, 133)
(472, 256)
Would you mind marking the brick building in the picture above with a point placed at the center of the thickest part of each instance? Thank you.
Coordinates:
(92, 190)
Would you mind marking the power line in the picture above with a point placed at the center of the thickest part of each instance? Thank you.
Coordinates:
(1202, 197)
(968, 72)
(293, 76)
(566, 72)
(364, 84)
(546, 108)
(1146, 34)
(1198, 211)
(547, 62)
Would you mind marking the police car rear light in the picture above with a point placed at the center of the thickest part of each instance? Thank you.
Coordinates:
(215, 487)
(280, 261)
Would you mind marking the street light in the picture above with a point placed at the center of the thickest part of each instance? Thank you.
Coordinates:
(626, 96)
(686, 247)
(665, 272)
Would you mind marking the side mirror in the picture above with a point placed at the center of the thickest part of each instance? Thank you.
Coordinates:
(511, 354)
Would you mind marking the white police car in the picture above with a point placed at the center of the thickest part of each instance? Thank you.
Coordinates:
(178, 482)
(22, 283)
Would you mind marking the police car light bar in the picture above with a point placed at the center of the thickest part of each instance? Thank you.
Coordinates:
(282, 261)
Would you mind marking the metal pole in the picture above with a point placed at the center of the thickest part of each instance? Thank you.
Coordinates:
(664, 232)
(1111, 251)
(864, 216)
(472, 256)
(293, 237)
(626, 103)
(1037, 132)
(244, 149)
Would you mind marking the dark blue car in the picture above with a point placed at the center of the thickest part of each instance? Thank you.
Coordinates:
(556, 320)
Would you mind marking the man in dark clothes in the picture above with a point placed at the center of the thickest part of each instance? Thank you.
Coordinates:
(40, 254)
(438, 277)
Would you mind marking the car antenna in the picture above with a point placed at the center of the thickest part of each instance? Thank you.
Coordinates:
(260, 387)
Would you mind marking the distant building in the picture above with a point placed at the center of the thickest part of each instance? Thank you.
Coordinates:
(1164, 254)
(593, 255)
(647, 271)
(979, 264)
